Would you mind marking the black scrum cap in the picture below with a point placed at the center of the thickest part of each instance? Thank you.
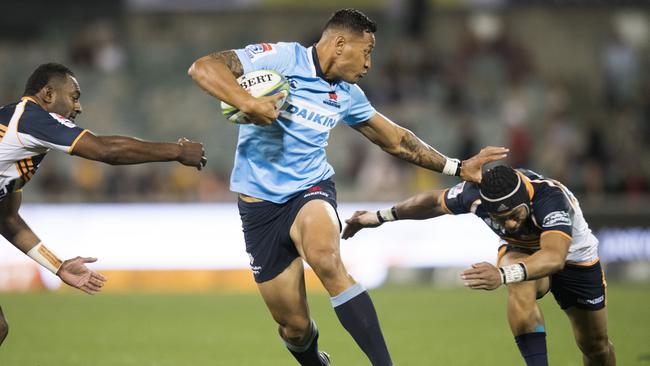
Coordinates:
(502, 189)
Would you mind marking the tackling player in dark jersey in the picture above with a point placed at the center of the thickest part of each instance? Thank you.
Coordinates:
(43, 120)
(546, 245)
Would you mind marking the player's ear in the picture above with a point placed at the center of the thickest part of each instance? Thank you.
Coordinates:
(47, 94)
(339, 42)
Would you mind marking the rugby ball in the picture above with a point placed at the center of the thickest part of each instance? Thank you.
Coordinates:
(258, 83)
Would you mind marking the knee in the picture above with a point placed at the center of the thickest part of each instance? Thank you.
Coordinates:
(295, 329)
(521, 301)
(595, 347)
(522, 309)
(327, 264)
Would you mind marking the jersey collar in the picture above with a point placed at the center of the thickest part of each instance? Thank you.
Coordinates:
(315, 65)
(28, 99)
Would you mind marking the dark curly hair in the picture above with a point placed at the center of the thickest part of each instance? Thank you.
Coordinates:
(352, 20)
(43, 74)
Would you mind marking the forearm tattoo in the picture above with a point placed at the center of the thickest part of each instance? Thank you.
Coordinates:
(231, 60)
(416, 151)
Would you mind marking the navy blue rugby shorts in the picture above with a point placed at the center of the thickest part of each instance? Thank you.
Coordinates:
(266, 228)
(577, 285)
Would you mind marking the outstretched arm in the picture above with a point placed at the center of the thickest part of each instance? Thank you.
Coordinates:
(72, 271)
(121, 150)
(554, 246)
(404, 144)
(419, 207)
(217, 74)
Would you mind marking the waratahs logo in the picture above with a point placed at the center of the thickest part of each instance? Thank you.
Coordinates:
(333, 100)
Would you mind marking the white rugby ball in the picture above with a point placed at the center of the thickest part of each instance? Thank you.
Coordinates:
(258, 84)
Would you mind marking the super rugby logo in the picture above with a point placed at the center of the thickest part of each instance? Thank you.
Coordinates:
(455, 190)
(64, 121)
(556, 218)
(257, 51)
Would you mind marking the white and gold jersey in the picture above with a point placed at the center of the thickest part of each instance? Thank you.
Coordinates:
(27, 133)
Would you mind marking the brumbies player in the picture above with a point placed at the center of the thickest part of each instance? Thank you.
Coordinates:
(43, 120)
(287, 198)
(547, 244)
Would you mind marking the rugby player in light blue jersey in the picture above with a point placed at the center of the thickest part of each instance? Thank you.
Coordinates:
(287, 200)
(546, 246)
(43, 120)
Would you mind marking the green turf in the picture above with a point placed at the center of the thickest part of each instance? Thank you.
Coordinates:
(423, 326)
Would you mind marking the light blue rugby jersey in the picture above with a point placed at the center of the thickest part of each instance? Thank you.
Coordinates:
(275, 162)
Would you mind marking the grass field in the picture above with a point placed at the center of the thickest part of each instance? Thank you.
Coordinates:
(423, 326)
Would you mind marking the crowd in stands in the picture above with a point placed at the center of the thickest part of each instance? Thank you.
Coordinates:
(590, 131)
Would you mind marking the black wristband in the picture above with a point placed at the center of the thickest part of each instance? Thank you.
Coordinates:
(503, 275)
(523, 267)
(460, 163)
(381, 219)
(393, 210)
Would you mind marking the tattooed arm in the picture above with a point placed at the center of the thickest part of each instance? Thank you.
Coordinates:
(402, 143)
(217, 74)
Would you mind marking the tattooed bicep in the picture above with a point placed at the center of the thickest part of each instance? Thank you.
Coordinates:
(231, 60)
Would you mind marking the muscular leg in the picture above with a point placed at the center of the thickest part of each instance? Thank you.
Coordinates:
(285, 297)
(590, 331)
(315, 232)
(4, 327)
(524, 315)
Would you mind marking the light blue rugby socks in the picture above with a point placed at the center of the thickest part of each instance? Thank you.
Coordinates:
(357, 314)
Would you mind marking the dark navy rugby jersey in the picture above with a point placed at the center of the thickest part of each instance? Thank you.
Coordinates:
(553, 208)
(27, 133)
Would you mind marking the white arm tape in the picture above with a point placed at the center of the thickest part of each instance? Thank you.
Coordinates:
(387, 214)
(450, 167)
(513, 273)
(45, 257)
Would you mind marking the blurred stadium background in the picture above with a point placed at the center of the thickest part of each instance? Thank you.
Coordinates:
(564, 84)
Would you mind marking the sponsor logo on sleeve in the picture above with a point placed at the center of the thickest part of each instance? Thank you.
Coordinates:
(257, 51)
(557, 218)
(455, 190)
(62, 120)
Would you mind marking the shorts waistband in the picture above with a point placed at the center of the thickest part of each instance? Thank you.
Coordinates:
(249, 199)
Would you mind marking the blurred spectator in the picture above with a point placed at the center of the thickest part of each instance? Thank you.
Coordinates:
(487, 60)
(461, 82)
(95, 46)
(515, 115)
(626, 144)
(622, 57)
(560, 141)
(644, 103)
(468, 145)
